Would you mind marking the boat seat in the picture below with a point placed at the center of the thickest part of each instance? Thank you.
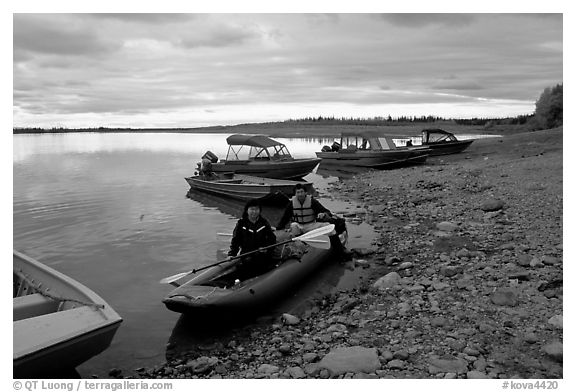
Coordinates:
(55, 329)
(32, 305)
(231, 181)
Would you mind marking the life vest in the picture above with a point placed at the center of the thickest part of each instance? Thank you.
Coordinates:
(303, 213)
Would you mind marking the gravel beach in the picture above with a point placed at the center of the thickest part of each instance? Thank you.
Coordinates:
(464, 279)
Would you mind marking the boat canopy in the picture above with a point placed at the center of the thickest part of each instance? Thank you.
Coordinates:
(436, 135)
(255, 148)
(366, 141)
(251, 140)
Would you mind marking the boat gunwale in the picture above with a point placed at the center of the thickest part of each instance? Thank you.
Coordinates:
(84, 292)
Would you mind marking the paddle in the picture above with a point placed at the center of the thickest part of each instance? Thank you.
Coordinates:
(311, 238)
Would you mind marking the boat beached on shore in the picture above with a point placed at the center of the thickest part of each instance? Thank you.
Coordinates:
(442, 142)
(58, 323)
(370, 150)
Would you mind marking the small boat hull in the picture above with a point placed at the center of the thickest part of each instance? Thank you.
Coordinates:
(198, 296)
(375, 159)
(58, 322)
(448, 147)
(242, 187)
(285, 169)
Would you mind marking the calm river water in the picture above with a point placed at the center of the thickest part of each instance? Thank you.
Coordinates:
(110, 210)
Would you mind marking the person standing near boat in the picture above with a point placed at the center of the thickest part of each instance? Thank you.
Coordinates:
(306, 214)
(252, 232)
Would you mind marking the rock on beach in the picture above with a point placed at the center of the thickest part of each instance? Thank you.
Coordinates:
(351, 360)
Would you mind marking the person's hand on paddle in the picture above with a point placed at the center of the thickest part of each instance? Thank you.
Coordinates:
(322, 216)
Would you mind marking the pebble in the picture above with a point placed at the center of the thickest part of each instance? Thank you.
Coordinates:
(440, 286)
(401, 354)
(475, 374)
(504, 297)
(523, 260)
(530, 338)
(450, 270)
(536, 262)
(436, 365)
(550, 260)
(396, 364)
(267, 369)
(556, 321)
(438, 322)
(447, 226)
(554, 350)
(284, 349)
(351, 359)
(290, 319)
(388, 281)
(310, 357)
(386, 356)
(296, 372)
(405, 265)
(492, 205)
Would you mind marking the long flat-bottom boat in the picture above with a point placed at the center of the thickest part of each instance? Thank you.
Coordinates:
(261, 156)
(371, 150)
(244, 187)
(442, 142)
(215, 291)
(58, 322)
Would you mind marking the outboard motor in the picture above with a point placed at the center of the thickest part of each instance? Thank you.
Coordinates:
(209, 155)
(205, 166)
(336, 146)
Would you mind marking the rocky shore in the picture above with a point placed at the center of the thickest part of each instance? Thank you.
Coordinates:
(464, 280)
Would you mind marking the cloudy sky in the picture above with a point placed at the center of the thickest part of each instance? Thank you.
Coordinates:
(189, 70)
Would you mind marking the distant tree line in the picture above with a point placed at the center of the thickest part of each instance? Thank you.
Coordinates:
(404, 120)
(379, 120)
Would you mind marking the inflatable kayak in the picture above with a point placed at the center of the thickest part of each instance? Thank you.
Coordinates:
(217, 289)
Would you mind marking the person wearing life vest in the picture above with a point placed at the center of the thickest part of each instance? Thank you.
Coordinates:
(302, 213)
(306, 214)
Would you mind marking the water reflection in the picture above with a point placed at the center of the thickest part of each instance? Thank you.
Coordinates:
(272, 208)
(327, 170)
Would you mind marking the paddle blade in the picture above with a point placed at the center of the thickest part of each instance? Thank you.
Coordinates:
(173, 278)
(322, 242)
(316, 233)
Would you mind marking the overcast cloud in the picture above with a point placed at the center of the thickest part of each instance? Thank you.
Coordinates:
(188, 70)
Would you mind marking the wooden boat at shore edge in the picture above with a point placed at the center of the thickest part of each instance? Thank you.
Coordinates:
(261, 156)
(58, 323)
(244, 187)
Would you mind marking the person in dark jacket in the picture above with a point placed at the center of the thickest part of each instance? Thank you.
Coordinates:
(252, 232)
